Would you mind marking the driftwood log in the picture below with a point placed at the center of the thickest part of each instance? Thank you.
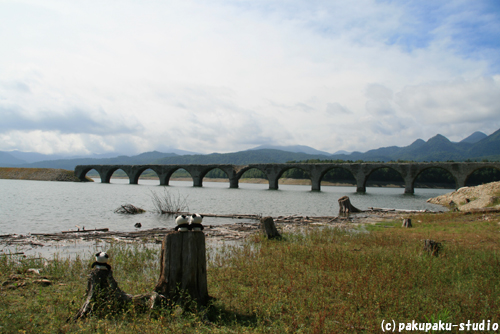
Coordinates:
(269, 228)
(183, 268)
(432, 247)
(129, 209)
(104, 296)
(345, 206)
(407, 223)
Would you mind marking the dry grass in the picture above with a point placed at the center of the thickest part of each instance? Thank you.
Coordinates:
(324, 280)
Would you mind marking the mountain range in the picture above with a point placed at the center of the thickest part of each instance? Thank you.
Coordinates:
(476, 147)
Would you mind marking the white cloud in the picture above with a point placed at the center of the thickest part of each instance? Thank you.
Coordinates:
(453, 102)
(226, 76)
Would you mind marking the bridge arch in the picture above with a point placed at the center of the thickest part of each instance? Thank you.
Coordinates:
(473, 179)
(343, 171)
(239, 173)
(81, 173)
(393, 175)
(422, 171)
(137, 172)
(204, 172)
(168, 172)
(109, 173)
(363, 177)
(299, 170)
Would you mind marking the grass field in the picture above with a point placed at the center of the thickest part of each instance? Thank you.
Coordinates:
(323, 280)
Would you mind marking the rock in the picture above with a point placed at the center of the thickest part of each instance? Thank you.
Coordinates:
(470, 198)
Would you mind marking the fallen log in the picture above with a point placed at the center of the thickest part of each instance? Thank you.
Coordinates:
(87, 231)
(10, 254)
(233, 216)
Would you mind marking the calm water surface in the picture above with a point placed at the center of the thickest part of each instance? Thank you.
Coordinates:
(48, 207)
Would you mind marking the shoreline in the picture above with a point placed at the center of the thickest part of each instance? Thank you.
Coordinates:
(74, 244)
(38, 174)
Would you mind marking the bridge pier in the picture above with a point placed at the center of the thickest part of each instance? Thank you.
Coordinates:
(315, 183)
(409, 189)
(460, 181)
(197, 181)
(106, 175)
(360, 184)
(273, 182)
(233, 182)
(164, 178)
(360, 189)
(133, 176)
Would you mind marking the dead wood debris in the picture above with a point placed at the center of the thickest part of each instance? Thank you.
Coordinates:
(129, 209)
(231, 231)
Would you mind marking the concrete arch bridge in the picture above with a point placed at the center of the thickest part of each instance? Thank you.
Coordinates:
(460, 171)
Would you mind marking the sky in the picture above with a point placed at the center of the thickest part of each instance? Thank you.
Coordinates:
(90, 77)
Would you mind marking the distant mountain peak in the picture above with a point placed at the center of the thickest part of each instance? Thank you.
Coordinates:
(417, 143)
(438, 139)
(474, 138)
(342, 152)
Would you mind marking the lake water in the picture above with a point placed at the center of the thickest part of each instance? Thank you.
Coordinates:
(49, 207)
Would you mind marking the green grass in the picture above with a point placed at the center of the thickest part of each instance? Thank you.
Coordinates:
(322, 281)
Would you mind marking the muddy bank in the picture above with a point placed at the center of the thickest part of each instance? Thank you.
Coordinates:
(483, 197)
(39, 174)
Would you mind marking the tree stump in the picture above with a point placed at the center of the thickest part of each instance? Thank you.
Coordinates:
(407, 223)
(345, 206)
(183, 278)
(105, 297)
(183, 268)
(269, 228)
(432, 247)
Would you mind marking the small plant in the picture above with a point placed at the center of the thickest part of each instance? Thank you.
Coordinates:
(167, 203)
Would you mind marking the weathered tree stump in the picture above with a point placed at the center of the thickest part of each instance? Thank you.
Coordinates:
(104, 296)
(432, 247)
(183, 268)
(345, 206)
(269, 228)
(407, 223)
(183, 278)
